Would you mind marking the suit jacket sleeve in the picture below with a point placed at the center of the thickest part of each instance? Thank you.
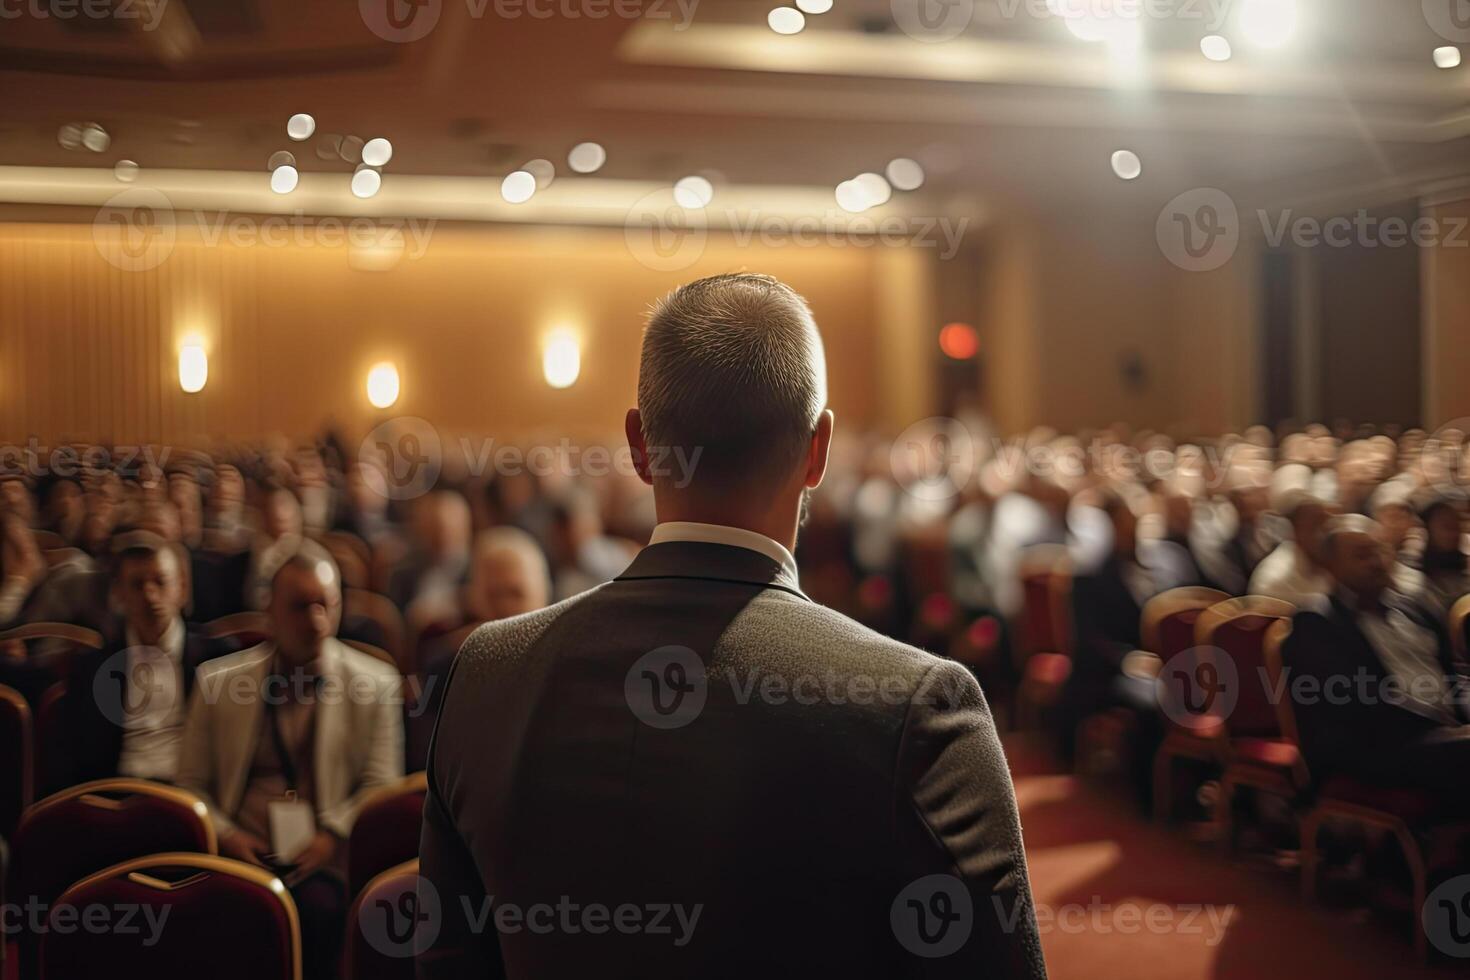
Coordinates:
(956, 815)
(385, 757)
(447, 867)
(196, 759)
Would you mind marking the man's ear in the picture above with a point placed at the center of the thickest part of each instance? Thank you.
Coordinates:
(633, 429)
(821, 447)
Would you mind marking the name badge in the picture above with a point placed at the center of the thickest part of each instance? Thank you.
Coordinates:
(293, 826)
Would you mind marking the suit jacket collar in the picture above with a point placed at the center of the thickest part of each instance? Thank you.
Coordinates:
(702, 561)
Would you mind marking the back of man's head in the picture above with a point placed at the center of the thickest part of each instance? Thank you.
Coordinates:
(733, 370)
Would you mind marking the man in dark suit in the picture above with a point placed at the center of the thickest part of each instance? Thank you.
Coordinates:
(1376, 691)
(694, 770)
(125, 704)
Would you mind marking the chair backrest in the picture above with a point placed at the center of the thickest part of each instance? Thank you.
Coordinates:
(202, 915)
(1238, 628)
(381, 926)
(17, 759)
(50, 745)
(1276, 637)
(86, 828)
(1167, 625)
(1458, 622)
(246, 628)
(1046, 576)
(65, 632)
(381, 610)
(351, 563)
(386, 831)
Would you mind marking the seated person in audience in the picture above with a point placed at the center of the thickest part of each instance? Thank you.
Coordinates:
(66, 509)
(299, 730)
(125, 704)
(438, 558)
(16, 499)
(22, 566)
(1231, 538)
(507, 578)
(314, 489)
(1293, 572)
(1437, 576)
(365, 512)
(279, 536)
(225, 528)
(1107, 604)
(183, 493)
(582, 556)
(1386, 702)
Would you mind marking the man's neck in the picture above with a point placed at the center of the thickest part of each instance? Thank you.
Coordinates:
(778, 522)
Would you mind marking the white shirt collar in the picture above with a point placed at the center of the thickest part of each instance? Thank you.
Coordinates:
(736, 537)
(171, 642)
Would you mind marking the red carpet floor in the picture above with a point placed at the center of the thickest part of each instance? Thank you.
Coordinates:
(1119, 897)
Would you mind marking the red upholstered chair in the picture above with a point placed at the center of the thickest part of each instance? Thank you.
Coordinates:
(50, 745)
(81, 830)
(53, 643)
(382, 612)
(225, 919)
(1046, 630)
(1185, 628)
(386, 832)
(17, 756)
(375, 949)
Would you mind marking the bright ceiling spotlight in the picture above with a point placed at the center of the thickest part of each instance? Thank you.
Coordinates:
(850, 197)
(125, 171)
(365, 182)
(517, 187)
(377, 152)
(561, 359)
(1127, 165)
(786, 20)
(1447, 57)
(693, 193)
(814, 6)
(193, 368)
(586, 158)
(1216, 47)
(874, 188)
(300, 126)
(284, 179)
(905, 174)
(543, 171)
(1268, 23)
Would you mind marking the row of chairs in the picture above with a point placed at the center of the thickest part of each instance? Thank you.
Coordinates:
(1254, 744)
(122, 843)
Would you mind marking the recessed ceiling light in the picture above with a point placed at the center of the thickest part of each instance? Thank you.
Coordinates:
(518, 187)
(1268, 23)
(786, 20)
(814, 6)
(1447, 57)
(284, 179)
(281, 158)
(377, 152)
(125, 171)
(300, 126)
(95, 138)
(850, 197)
(1215, 47)
(693, 192)
(1127, 165)
(905, 174)
(543, 171)
(70, 136)
(874, 189)
(586, 158)
(351, 149)
(366, 181)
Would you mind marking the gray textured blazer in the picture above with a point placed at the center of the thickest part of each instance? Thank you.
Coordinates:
(695, 771)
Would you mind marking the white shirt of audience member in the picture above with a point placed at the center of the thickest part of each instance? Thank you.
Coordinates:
(154, 706)
(1286, 574)
(1411, 654)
